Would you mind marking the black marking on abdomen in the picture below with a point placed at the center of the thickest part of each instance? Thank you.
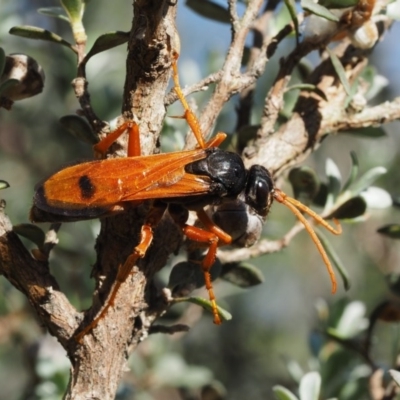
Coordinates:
(86, 186)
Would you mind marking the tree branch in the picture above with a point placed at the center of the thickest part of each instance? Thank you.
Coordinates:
(33, 278)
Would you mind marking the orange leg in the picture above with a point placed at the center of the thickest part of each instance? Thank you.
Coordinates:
(133, 140)
(213, 239)
(124, 270)
(133, 130)
(188, 114)
(216, 230)
(216, 140)
(190, 117)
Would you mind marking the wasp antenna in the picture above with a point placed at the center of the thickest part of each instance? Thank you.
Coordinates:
(313, 214)
(294, 206)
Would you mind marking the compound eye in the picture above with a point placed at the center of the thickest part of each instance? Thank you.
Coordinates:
(259, 189)
(258, 192)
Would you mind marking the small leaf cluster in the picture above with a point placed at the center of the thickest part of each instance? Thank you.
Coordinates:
(340, 361)
(72, 12)
(348, 201)
(188, 276)
(309, 388)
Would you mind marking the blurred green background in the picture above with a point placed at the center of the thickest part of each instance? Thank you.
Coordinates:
(271, 334)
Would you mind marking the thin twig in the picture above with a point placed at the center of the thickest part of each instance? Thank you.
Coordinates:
(232, 7)
(229, 83)
(384, 113)
(262, 247)
(80, 87)
(200, 86)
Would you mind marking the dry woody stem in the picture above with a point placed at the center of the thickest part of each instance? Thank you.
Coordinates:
(99, 359)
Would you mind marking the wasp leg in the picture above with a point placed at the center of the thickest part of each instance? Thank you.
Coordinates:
(213, 237)
(124, 270)
(210, 225)
(133, 139)
(188, 114)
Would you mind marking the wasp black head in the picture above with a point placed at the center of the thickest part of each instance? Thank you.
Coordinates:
(225, 169)
(259, 189)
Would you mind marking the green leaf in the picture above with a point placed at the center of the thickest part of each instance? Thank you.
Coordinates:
(334, 182)
(368, 74)
(185, 277)
(335, 259)
(242, 274)
(291, 6)
(334, 177)
(7, 85)
(305, 183)
(33, 32)
(378, 84)
(367, 180)
(281, 393)
(338, 3)
(30, 232)
(305, 68)
(353, 171)
(353, 91)
(294, 369)
(317, 9)
(352, 321)
(291, 97)
(370, 132)
(376, 198)
(4, 184)
(54, 12)
(206, 304)
(188, 275)
(74, 9)
(307, 87)
(281, 19)
(322, 196)
(341, 73)
(375, 82)
(310, 386)
(79, 128)
(2, 61)
(209, 10)
(107, 41)
(353, 208)
(390, 230)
